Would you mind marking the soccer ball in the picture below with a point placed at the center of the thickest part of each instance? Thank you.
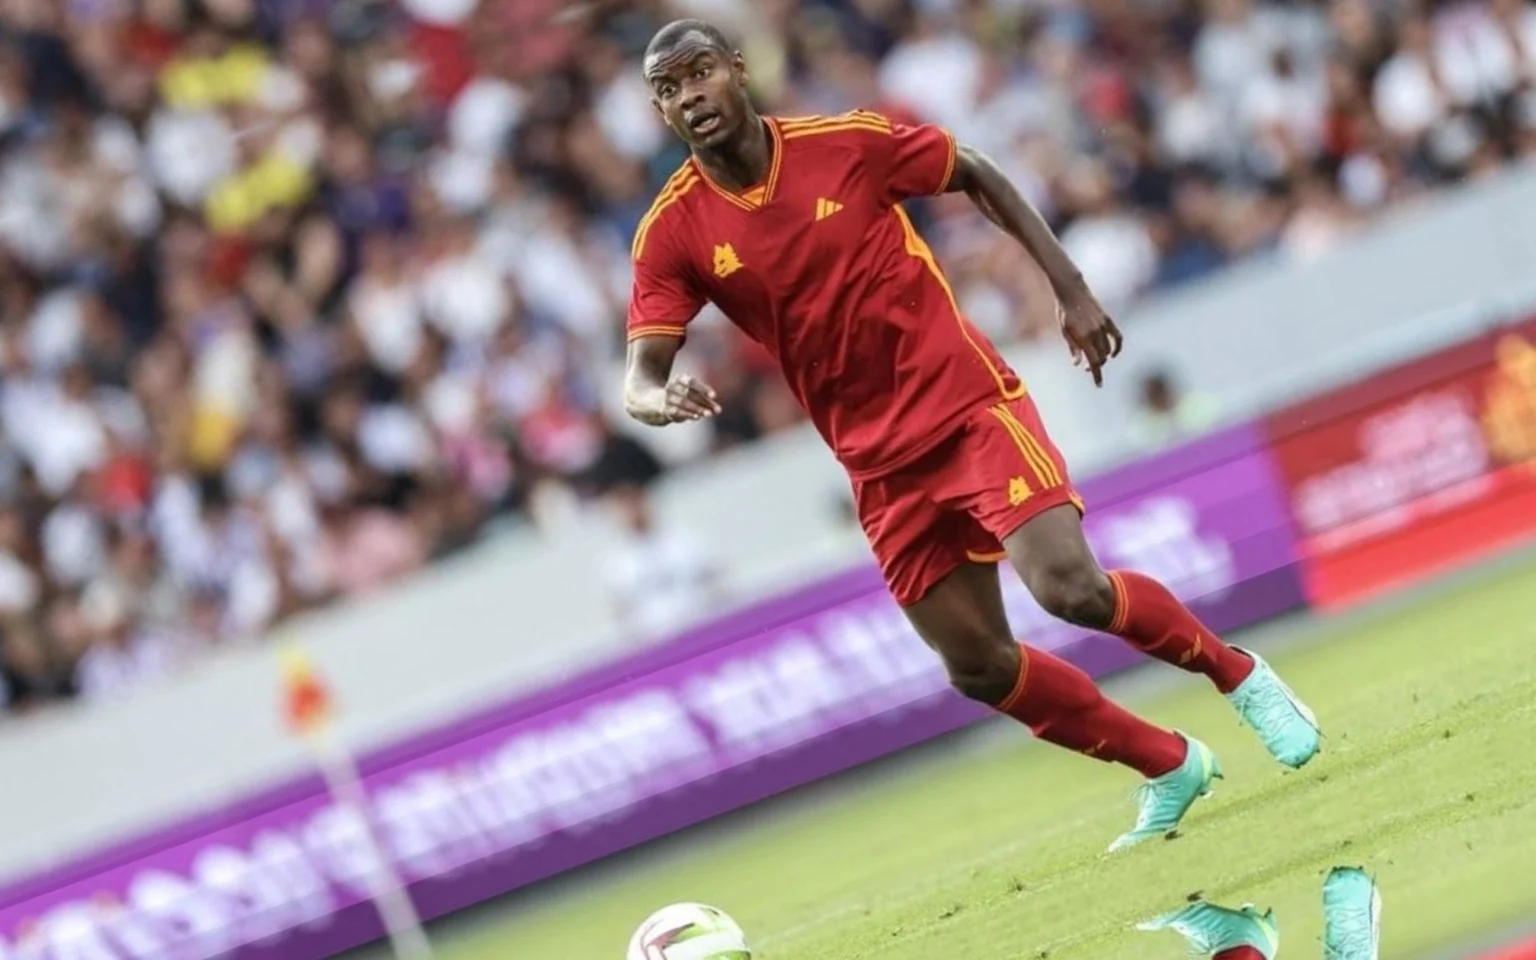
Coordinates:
(689, 931)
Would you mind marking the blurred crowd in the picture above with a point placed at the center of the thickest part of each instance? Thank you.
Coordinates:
(297, 296)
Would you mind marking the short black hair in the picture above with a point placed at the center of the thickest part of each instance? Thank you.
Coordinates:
(675, 32)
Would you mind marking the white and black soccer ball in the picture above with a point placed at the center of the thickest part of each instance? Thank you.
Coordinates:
(689, 931)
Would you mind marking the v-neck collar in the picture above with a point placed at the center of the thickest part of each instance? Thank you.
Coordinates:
(767, 187)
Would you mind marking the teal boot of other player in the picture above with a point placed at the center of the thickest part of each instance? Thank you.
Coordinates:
(1288, 729)
(1211, 930)
(1164, 800)
(1351, 915)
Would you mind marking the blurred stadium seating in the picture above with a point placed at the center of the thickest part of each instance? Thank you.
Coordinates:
(298, 296)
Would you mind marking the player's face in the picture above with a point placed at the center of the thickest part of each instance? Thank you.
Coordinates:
(700, 91)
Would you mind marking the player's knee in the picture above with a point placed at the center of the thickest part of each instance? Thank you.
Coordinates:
(988, 673)
(1077, 592)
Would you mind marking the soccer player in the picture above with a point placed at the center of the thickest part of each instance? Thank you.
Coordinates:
(794, 229)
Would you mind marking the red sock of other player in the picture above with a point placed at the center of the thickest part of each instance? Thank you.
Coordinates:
(1150, 618)
(1062, 706)
(1239, 953)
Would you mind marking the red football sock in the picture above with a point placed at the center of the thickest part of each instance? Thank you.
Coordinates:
(1150, 618)
(1061, 705)
(1239, 953)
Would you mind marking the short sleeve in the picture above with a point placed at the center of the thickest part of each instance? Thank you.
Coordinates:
(919, 161)
(664, 298)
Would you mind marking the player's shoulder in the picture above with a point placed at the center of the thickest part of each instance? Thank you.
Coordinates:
(853, 125)
(670, 204)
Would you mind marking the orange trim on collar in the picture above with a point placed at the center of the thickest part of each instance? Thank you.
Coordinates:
(759, 195)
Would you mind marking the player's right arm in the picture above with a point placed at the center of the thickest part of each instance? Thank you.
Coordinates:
(652, 395)
(662, 302)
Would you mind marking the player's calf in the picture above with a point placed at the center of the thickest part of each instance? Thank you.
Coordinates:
(1063, 706)
(1057, 701)
(963, 620)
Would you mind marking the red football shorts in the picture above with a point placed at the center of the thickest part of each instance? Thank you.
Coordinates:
(958, 502)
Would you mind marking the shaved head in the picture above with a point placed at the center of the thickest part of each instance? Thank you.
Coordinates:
(671, 36)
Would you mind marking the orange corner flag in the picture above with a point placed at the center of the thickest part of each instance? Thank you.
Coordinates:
(306, 700)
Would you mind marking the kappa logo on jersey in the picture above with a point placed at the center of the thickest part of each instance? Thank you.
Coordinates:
(726, 261)
(1018, 491)
(825, 208)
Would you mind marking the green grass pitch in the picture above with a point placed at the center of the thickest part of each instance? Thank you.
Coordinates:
(1428, 779)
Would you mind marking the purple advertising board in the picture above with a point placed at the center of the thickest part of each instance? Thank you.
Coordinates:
(772, 697)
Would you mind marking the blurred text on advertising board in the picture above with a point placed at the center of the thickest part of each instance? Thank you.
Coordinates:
(1415, 471)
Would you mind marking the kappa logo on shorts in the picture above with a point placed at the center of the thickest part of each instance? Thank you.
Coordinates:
(1018, 491)
(726, 261)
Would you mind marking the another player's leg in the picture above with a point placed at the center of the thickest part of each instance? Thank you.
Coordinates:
(1223, 933)
(962, 618)
(1052, 556)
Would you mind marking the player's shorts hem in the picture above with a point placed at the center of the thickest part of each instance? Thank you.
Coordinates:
(992, 556)
(1049, 500)
(935, 575)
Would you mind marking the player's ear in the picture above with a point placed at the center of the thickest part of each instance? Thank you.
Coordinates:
(739, 67)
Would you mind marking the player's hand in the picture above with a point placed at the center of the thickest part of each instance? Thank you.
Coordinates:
(684, 399)
(690, 399)
(1091, 335)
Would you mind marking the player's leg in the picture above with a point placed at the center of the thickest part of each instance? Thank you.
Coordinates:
(1052, 557)
(956, 606)
(1040, 524)
(961, 616)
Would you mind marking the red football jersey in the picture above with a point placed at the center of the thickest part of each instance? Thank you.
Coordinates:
(821, 265)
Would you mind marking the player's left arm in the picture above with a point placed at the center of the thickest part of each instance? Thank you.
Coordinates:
(1089, 330)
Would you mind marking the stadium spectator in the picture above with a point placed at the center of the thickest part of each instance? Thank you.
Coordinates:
(299, 295)
(1166, 414)
(660, 579)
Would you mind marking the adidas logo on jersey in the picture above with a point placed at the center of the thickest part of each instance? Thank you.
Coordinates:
(825, 208)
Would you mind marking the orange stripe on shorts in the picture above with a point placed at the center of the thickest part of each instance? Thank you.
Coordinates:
(1039, 463)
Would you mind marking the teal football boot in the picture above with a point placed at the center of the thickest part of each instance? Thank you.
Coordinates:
(1211, 930)
(1164, 800)
(1351, 915)
(1286, 726)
